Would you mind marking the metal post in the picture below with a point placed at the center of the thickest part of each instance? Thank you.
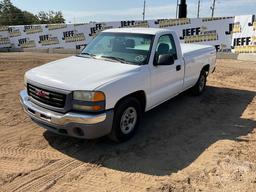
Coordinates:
(177, 7)
(198, 9)
(144, 10)
(213, 7)
(183, 9)
(75, 31)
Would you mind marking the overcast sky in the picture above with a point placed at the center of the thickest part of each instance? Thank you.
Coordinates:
(115, 10)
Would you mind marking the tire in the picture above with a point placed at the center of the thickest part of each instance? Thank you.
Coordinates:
(200, 85)
(127, 117)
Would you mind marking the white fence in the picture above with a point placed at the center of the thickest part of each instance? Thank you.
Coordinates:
(225, 33)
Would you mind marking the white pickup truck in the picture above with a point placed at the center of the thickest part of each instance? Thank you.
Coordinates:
(118, 76)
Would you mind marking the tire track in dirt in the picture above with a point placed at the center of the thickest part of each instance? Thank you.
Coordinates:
(34, 181)
(25, 152)
(101, 179)
(12, 130)
(12, 137)
(104, 183)
(16, 164)
(130, 182)
(44, 181)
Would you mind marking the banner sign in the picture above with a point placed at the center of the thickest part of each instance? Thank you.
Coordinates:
(225, 33)
(244, 38)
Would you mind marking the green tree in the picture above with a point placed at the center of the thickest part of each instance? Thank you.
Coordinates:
(12, 15)
(58, 17)
(51, 17)
(30, 18)
(43, 17)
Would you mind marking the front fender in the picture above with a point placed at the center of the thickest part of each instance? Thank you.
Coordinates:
(125, 85)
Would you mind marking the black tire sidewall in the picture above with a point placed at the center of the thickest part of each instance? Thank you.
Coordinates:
(116, 133)
(196, 89)
(202, 75)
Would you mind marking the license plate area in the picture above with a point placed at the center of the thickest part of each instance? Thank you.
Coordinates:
(45, 117)
(39, 115)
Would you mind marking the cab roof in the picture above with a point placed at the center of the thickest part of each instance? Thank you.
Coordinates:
(149, 31)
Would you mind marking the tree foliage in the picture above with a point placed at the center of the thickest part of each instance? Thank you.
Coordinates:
(50, 17)
(12, 15)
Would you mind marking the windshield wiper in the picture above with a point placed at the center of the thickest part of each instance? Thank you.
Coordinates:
(115, 58)
(88, 54)
(121, 60)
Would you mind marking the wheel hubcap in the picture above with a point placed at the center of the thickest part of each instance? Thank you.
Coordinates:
(128, 120)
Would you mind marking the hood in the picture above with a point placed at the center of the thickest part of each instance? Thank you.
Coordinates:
(79, 73)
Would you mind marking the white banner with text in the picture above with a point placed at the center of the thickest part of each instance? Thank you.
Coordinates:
(225, 33)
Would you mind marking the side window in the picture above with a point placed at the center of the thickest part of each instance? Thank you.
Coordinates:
(166, 45)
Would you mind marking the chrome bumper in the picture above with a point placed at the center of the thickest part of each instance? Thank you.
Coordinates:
(57, 121)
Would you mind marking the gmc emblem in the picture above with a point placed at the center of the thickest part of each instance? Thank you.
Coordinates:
(41, 93)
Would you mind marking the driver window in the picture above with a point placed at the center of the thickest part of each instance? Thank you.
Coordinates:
(166, 45)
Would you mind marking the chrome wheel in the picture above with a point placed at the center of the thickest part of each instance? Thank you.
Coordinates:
(128, 120)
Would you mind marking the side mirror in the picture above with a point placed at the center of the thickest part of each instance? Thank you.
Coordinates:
(164, 59)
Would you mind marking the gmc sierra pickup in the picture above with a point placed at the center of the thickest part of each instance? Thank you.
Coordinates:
(118, 76)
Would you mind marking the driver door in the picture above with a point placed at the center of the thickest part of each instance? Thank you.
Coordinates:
(166, 80)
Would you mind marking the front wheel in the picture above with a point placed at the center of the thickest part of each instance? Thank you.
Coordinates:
(200, 86)
(127, 117)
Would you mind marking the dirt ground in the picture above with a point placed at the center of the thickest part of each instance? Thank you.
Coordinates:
(205, 143)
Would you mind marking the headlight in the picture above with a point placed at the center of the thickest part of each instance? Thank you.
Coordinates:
(88, 96)
(90, 101)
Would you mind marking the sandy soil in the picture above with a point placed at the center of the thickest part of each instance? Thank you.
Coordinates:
(205, 143)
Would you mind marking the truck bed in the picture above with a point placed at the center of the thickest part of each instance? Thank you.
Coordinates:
(194, 49)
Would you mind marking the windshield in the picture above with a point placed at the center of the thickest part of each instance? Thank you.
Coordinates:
(121, 47)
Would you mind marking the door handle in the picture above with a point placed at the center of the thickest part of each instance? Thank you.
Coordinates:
(178, 67)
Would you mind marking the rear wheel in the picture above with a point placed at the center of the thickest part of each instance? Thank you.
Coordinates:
(127, 117)
(200, 86)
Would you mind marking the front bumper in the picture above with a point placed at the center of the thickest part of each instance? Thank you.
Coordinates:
(87, 126)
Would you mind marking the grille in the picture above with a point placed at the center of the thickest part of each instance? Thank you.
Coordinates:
(47, 97)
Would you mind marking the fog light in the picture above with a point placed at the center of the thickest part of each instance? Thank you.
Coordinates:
(79, 132)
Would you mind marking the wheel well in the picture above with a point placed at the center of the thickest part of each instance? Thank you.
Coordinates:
(140, 95)
(206, 68)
